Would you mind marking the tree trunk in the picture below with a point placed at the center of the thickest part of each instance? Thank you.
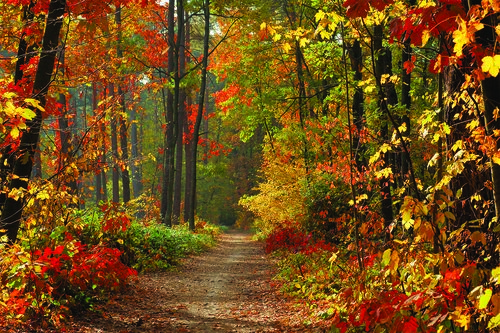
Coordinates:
(383, 96)
(189, 166)
(98, 160)
(358, 112)
(170, 137)
(114, 151)
(12, 211)
(181, 119)
(199, 116)
(134, 141)
(121, 119)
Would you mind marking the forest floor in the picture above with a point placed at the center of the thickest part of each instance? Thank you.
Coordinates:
(227, 289)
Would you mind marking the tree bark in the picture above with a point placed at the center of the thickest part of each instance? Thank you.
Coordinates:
(199, 116)
(181, 119)
(114, 151)
(358, 112)
(171, 116)
(134, 141)
(121, 118)
(13, 208)
(381, 65)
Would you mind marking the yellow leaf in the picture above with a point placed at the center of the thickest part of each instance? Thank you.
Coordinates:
(494, 322)
(43, 195)
(464, 34)
(394, 263)
(286, 47)
(263, 25)
(495, 275)
(276, 37)
(333, 258)
(426, 34)
(319, 15)
(14, 132)
(28, 114)
(34, 103)
(485, 299)
(386, 257)
(303, 42)
(491, 65)
(325, 34)
(9, 95)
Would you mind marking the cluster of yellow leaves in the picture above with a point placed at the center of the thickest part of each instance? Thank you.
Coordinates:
(465, 34)
(327, 23)
(491, 65)
(9, 110)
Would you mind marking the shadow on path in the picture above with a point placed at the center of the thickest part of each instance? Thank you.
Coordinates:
(226, 289)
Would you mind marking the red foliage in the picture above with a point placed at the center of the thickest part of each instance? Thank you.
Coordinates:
(291, 239)
(356, 8)
(99, 266)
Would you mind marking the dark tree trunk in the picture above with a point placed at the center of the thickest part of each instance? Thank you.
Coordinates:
(98, 177)
(114, 151)
(199, 116)
(381, 67)
(134, 141)
(181, 119)
(121, 119)
(171, 115)
(189, 166)
(358, 112)
(12, 211)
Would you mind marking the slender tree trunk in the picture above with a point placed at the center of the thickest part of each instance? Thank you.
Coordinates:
(182, 27)
(189, 166)
(358, 112)
(12, 211)
(199, 116)
(134, 141)
(170, 137)
(98, 160)
(121, 119)
(114, 151)
(380, 69)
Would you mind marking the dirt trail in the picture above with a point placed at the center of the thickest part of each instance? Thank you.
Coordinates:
(225, 290)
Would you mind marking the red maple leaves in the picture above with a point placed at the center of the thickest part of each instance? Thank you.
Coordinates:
(356, 8)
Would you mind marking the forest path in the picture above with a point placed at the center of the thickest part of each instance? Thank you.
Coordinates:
(227, 289)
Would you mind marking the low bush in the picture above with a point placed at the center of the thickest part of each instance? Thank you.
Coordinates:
(56, 269)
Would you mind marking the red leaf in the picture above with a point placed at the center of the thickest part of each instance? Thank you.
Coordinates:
(411, 326)
(409, 65)
(360, 8)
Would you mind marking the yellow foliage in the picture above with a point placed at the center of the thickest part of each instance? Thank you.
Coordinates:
(491, 65)
(278, 198)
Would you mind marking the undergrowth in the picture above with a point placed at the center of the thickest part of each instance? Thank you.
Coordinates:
(60, 267)
(393, 291)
